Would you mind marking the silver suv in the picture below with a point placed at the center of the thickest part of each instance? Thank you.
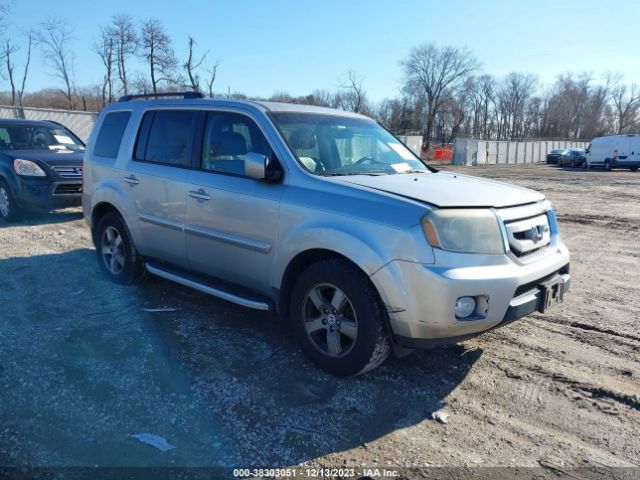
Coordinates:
(320, 215)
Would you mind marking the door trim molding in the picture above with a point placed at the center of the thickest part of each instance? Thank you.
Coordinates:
(236, 241)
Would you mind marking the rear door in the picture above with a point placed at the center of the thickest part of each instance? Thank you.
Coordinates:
(231, 224)
(634, 146)
(156, 179)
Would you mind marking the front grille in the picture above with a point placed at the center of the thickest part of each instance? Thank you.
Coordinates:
(528, 235)
(68, 189)
(69, 172)
(527, 287)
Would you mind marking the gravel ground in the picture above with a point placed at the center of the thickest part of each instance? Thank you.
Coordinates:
(83, 366)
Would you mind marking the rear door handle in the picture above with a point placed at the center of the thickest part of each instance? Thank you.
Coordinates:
(132, 180)
(199, 194)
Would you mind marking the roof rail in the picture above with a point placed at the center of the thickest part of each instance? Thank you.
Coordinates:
(185, 95)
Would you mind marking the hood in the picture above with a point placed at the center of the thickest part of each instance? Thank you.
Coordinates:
(446, 189)
(50, 157)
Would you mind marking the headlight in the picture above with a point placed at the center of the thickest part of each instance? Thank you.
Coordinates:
(463, 230)
(28, 168)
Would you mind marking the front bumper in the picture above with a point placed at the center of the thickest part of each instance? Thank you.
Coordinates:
(420, 298)
(45, 193)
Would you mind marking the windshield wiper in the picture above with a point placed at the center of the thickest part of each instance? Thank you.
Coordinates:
(340, 174)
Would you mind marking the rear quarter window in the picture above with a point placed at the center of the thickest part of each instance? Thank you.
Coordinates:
(110, 135)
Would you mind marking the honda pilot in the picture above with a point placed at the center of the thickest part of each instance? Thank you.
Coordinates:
(320, 215)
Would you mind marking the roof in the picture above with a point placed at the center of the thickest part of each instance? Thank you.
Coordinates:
(263, 106)
(23, 121)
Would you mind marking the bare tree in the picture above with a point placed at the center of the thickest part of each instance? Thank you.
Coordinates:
(25, 72)
(192, 65)
(514, 93)
(54, 37)
(157, 52)
(353, 97)
(626, 104)
(123, 32)
(104, 47)
(431, 70)
(9, 49)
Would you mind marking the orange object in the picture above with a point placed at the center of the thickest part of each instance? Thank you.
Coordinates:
(442, 155)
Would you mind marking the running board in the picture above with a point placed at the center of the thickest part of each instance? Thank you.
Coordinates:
(215, 291)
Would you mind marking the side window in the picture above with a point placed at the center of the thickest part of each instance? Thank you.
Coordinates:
(5, 140)
(228, 137)
(304, 142)
(110, 135)
(165, 137)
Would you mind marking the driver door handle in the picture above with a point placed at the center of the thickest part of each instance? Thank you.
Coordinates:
(200, 194)
(132, 180)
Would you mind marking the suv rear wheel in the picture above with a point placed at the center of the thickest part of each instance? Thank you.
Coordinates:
(117, 255)
(9, 211)
(338, 318)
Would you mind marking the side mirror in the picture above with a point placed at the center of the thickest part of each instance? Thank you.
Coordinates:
(255, 166)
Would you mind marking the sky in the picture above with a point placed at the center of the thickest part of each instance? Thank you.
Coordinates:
(268, 46)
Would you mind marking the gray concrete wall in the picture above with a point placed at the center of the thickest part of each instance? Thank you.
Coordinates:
(467, 151)
(79, 123)
(414, 142)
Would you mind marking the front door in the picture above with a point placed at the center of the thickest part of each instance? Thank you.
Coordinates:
(232, 220)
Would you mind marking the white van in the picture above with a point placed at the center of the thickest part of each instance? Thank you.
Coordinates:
(614, 151)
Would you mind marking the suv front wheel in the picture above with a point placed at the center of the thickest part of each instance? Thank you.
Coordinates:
(9, 211)
(338, 318)
(117, 255)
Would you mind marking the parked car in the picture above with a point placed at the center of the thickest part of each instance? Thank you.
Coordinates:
(320, 215)
(574, 157)
(552, 156)
(40, 167)
(614, 151)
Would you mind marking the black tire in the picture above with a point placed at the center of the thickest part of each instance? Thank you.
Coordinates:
(573, 164)
(607, 165)
(9, 210)
(124, 254)
(584, 165)
(634, 169)
(371, 345)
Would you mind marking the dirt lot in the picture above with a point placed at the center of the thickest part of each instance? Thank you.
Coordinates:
(83, 366)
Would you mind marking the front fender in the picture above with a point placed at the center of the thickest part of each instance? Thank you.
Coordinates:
(369, 245)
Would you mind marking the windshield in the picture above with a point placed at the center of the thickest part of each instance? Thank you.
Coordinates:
(29, 137)
(335, 145)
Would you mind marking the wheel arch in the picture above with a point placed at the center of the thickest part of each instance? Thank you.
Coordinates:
(98, 212)
(298, 264)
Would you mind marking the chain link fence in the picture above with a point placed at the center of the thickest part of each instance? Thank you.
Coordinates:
(79, 123)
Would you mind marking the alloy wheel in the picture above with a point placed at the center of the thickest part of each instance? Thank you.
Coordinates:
(5, 205)
(330, 320)
(113, 250)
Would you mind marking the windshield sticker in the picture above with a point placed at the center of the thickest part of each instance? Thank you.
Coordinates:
(402, 151)
(401, 167)
(63, 139)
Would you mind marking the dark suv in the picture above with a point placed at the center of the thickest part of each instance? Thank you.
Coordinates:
(40, 167)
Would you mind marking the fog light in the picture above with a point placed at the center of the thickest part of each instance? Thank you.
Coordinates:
(464, 307)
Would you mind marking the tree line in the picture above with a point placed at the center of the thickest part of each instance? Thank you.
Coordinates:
(445, 93)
